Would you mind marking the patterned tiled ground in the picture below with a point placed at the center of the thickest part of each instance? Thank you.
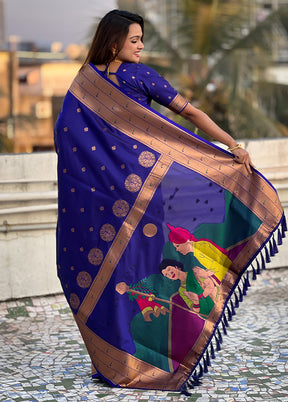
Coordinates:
(43, 358)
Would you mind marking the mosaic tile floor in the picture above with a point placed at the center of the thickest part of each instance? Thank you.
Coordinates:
(43, 358)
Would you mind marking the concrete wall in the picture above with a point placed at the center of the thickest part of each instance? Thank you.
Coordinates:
(28, 214)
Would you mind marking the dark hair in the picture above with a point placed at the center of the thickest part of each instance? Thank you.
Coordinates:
(111, 33)
(173, 263)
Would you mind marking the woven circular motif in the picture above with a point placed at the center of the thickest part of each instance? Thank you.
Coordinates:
(95, 256)
(107, 232)
(150, 230)
(74, 301)
(133, 183)
(146, 159)
(120, 208)
(84, 279)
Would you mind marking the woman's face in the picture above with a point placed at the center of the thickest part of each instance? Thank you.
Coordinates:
(130, 52)
(184, 248)
(171, 272)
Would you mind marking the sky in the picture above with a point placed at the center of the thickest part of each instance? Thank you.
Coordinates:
(47, 21)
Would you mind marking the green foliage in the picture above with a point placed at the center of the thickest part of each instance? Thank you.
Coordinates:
(213, 25)
(235, 51)
(242, 102)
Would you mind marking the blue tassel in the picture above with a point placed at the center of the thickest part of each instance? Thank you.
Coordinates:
(267, 256)
(232, 308)
(224, 328)
(263, 266)
(196, 381)
(225, 322)
(236, 300)
(275, 248)
(240, 294)
(219, 336)
(284, 223)
(205, 366)
(245, 287)
(279, 237)
(271, 248)
(190, 385)
(229, 313)
(283, 231)
(208, 361)
(184, 390)
(283, 226)
(212, 351)
(200, 374)
(193, 381)
(258, 267)
(247, 280)
(254, 277)
(218, 347)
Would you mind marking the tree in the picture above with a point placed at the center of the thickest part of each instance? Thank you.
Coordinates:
(234, 49)
(243, 71)
(235, 56)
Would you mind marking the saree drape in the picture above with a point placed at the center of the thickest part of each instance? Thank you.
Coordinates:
(156, 231)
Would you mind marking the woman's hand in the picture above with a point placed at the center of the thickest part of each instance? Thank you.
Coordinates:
(242, 156)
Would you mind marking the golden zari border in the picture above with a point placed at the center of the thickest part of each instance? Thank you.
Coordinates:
(124, 369)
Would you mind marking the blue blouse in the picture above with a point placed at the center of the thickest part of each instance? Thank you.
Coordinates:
(144, 84)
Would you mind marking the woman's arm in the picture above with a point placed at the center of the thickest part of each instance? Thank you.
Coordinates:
(204, 123)
(162, 92)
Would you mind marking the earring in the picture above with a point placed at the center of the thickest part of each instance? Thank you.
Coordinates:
(114, 53)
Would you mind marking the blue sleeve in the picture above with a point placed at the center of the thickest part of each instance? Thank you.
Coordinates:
(159, 89)
(155, 86)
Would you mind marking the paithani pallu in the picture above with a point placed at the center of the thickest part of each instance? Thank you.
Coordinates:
(156, 231)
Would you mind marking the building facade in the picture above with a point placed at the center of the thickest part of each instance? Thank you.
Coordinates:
(31, 96)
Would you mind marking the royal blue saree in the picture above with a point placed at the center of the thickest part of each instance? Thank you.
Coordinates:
(156, 231)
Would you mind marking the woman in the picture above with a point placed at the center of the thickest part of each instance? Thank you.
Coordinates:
(123, 170)
(210, 255)
(196, 287)
(122, 32)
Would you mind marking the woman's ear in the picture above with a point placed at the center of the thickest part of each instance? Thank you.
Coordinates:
(114, 50)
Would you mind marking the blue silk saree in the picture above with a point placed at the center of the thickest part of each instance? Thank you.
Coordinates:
(157, 233)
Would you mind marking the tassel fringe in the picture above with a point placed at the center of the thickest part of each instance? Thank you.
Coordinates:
(275, 248)
(279, 237)
(267, 256)
(229, 310)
